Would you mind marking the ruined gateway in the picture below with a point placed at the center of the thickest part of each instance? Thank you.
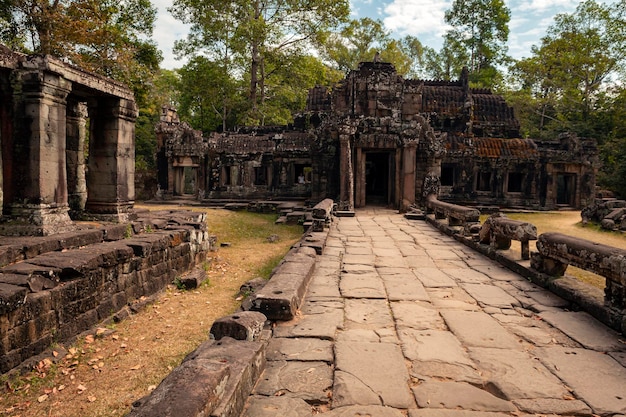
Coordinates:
(374, 139)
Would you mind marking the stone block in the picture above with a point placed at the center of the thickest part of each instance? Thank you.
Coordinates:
(192, 390)
(245, 325)
(193, 279)
(11, 297)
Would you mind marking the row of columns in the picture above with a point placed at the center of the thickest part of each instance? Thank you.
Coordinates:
(43, 163)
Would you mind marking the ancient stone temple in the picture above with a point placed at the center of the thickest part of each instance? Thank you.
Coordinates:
(47, 179)
(376, 138)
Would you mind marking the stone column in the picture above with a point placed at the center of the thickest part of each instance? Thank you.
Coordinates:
(111, 179)
(39, 199)
(409, 152)
(360, 192)
(346, 173)
(76, 132)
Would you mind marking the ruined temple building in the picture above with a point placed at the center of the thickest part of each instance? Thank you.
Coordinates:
(377, 138)
(47, 182)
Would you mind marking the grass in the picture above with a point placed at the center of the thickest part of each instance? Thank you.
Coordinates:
(569, 223)
(105, 374)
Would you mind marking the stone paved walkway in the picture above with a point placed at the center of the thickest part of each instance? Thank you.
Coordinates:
(401, 320)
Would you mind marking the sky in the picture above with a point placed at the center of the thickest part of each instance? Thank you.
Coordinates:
(423, 19)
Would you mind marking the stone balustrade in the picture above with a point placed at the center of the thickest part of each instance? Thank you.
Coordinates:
(498, 231)
(455, 214)
(556, 251)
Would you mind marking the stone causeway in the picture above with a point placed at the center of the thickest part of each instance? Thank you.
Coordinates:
(398, 319)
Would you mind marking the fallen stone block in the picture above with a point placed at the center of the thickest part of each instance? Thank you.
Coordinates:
(282, 296)
(245, 325)
(193, 279)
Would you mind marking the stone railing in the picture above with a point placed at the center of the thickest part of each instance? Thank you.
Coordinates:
(556, 251)
(498, 231)
(455, 214)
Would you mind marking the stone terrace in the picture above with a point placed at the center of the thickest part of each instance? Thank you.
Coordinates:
(400, 320)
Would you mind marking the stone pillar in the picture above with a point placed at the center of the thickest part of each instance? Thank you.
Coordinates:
(39, 199)
(111, 179)
(346, 174)
(75, 153)
(409, 152)
(360, 189)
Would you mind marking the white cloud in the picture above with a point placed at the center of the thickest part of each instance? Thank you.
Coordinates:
(168, 30)
(415, 17)
(540, 6)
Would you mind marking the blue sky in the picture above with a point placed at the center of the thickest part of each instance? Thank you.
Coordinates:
(423, 19)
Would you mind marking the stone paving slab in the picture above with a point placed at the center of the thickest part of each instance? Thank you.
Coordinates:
(490, 295)
(310, 381)
(261, 406)
(584, 329)
(416, 315)
(475, 328)
(594, 377)
(404, 287)
(453, 299)
(376, 370)
(299, 349)
(362, 285)
(517, 375)
(467, 275)
(438, 354)
(364, 411)
(432, 277)
(431, 412)
(368, 314)
(458, 395)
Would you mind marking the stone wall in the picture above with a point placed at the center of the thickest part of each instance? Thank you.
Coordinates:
(53, 288)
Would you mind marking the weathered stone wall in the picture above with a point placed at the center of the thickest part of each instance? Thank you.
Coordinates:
(67, 283)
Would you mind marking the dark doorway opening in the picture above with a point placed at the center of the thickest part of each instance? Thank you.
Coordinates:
(566, 189)
(377, 178)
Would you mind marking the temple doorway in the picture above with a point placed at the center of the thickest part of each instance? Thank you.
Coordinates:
(377, 178)
(566, 190)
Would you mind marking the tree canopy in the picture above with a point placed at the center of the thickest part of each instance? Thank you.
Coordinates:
(245, 36)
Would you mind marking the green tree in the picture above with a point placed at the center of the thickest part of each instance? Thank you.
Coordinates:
(446, 64)
(582, 54)
(243, 35)
(480, 30)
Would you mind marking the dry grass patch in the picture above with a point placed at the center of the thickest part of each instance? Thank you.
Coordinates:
(103, 374)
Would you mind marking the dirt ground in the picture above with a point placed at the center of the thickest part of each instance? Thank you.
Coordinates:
(106, 371)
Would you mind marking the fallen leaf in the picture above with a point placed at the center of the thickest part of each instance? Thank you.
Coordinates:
(55, 353)
(115, 337)
(91, 398)
(73, 351)
(134, 368)
(81, 388)
(89, 339)
(151, 388)
(100, 331)
(42, 398)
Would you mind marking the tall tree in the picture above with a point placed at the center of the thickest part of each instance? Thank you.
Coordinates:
(582, 54)
(481, 29)
(243, 34)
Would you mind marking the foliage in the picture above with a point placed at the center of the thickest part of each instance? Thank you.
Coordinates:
(243, 37)
(568, 73)
(479, 34)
